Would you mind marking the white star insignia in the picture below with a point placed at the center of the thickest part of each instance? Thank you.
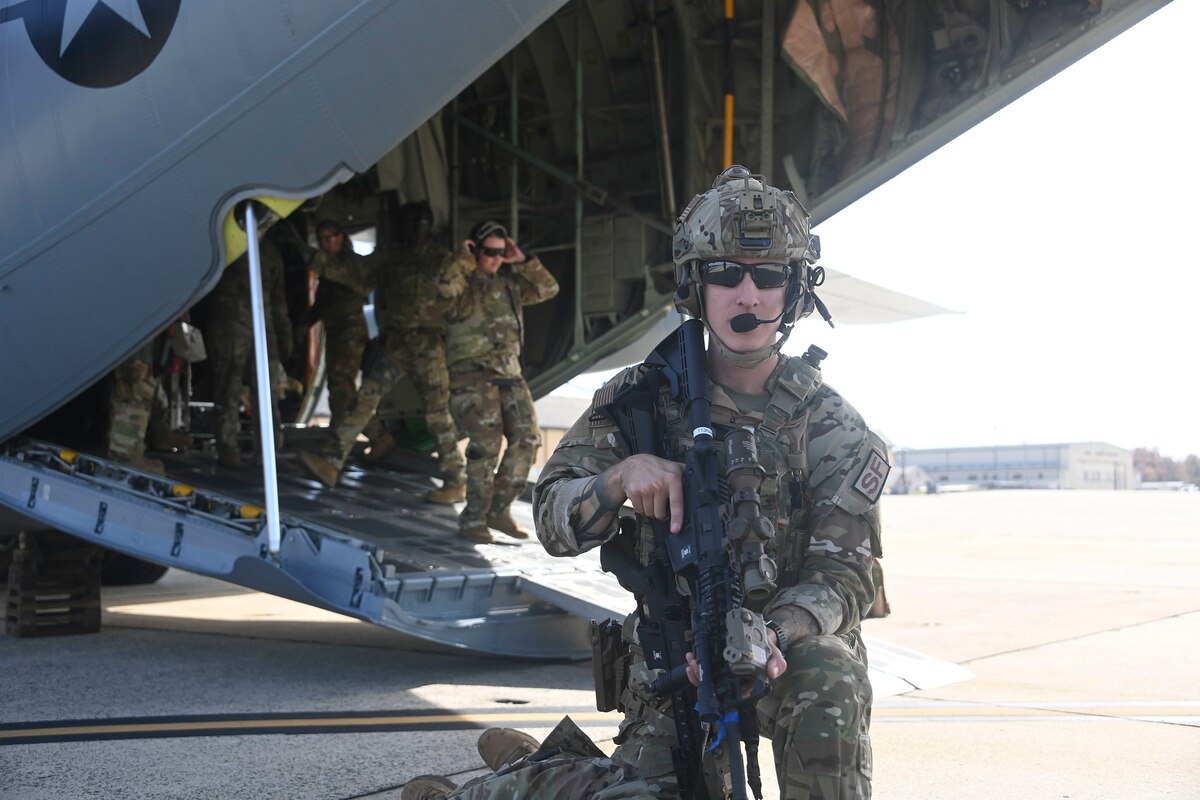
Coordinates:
(78, 11)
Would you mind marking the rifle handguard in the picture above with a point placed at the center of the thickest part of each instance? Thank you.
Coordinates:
(747, 530)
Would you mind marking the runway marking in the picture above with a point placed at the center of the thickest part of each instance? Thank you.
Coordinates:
(289, 723)
(295, 723)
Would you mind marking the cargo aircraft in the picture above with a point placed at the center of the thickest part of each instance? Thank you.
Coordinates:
(132, 129)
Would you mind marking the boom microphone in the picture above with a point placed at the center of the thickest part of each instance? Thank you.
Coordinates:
(744, 323)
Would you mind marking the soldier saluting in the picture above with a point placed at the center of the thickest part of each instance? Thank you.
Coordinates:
(744, 262)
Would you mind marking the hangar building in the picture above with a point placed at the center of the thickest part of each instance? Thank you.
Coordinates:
(1081, 465)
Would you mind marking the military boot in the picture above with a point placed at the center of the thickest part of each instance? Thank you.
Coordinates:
(380, 447)
(449, 494)
(503, 521)
(502, 746)
(475, 532)
(322, 469)
(427, 787)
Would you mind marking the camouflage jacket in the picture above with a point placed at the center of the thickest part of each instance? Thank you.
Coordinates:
(824, 474)
(360, 274)
(419, 288)
(229, 302)
(485, 326)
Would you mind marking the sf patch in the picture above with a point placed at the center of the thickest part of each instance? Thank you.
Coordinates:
(874, 473)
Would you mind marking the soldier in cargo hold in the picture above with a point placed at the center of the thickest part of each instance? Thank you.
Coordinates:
(414, 330)
(346, 280)
(229, 336)
(131, 390)
(416, 292)
(489, 398)
(745, 267)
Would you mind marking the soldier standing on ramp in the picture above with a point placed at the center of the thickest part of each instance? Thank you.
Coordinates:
(346, 280)
(416, 293)
(229, 335)
(416, 339)
(489, 398)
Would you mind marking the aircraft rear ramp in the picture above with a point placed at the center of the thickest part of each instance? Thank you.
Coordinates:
(371, 550)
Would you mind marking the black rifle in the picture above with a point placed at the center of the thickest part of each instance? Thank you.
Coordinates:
(705, 616)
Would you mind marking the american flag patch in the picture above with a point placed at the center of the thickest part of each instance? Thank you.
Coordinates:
(603, 396)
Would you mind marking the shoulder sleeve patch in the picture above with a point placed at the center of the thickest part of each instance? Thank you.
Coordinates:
(602, 397)
(605, 394)
(873, 475)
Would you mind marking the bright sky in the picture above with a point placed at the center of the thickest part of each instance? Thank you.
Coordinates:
(1063, 228)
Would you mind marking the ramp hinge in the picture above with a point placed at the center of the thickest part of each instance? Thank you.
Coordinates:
(178, 544)
(32, 494)
(100, 515)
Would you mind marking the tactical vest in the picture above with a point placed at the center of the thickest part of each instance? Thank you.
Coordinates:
(781, 434)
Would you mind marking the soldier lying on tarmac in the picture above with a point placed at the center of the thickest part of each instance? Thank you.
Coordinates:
(745, 267)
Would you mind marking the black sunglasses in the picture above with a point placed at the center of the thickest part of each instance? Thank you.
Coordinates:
(493, 251)
(766, 275)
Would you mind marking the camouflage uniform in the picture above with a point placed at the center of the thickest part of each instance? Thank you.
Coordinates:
(819, 460)
(489, 398)
(567, 765)
(229, 340)
(131, 400)
(347, 279)
(414, 330)
(416, 293)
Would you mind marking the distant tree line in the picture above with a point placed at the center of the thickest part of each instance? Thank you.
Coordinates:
(1154, 466)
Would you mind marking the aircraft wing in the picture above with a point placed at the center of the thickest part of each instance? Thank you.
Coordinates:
(853, 301)
(128, 135)
(850, 300)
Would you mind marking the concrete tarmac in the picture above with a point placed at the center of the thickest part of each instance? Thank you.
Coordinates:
(1079, 613)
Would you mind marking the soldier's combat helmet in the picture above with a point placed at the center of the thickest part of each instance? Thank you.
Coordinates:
(743, 215)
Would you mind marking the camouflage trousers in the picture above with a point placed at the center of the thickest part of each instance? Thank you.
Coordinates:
(230, 346)
(421, 355)
(131, 401)
(817, 717)
(345, 341)
(492, 411)
(567, 765)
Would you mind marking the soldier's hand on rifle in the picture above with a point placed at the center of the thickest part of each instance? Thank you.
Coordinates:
(776, 663)
(654, 487)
